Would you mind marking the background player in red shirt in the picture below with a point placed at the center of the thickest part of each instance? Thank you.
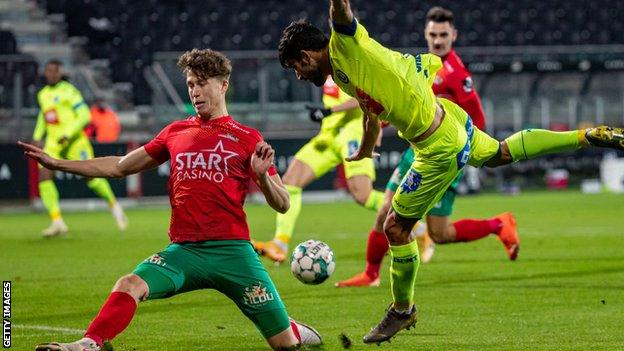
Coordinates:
(452, 82)
(212, 159)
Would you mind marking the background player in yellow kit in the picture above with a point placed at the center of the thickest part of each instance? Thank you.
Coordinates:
(340, 134)
(396, 88)
(63, 115)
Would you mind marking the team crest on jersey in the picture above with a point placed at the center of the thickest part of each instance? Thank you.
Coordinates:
(342, 76)
(468, 84)
(257, 294)
(206, 164)
(411, 182)
(353, 146)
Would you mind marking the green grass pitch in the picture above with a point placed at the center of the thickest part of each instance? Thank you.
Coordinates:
(565, 292)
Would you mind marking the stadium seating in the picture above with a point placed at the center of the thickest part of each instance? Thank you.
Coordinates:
(129, 32)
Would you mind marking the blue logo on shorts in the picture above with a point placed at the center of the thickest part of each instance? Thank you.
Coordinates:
(353, 146)
(411, 182)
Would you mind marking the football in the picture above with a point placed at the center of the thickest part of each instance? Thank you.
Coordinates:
(312, 262)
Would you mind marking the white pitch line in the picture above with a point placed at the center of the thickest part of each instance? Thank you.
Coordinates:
(48, 328)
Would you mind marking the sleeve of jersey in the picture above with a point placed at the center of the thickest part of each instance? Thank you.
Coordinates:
(40, 127)
(346, 38)
(157, 147)
(432, 64)
(468, 99)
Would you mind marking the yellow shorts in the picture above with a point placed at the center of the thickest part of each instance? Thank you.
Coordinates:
(439, 159)
(324, 152)
(76, 149)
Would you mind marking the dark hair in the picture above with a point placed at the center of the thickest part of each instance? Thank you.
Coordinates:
(205, 63)
(54, 61)
(300, 35)
(440, 15)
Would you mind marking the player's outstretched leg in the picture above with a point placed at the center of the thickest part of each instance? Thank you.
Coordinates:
(532, 143)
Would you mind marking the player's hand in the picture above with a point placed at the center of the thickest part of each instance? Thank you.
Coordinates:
(63, 140)
(262, 158)
(318, 113)
(39, 155)
(359, 155)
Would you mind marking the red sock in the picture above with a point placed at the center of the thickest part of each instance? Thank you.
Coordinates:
(113, 317)
(376, 248)
(474, 229)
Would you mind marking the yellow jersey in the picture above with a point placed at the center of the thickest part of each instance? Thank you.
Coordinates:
(393, 86)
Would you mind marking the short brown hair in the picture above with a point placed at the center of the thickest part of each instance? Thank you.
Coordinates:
(205, 63)
(440, 15)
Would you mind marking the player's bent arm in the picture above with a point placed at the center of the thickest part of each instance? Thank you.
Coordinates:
(40, 128)
(345, 106)
(340, 12)
(274, 192)
(109, 167)
(369, 138)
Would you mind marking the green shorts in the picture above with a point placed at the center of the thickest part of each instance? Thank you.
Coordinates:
(231, 267)
(326, 151)
(442, 208)
(78, 148)
(440, 159)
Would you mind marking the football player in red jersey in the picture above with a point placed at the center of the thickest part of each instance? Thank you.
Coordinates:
(452, 82)
(213, 157)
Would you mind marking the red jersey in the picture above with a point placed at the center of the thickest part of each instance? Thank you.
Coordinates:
(209, 176)
(453, 82)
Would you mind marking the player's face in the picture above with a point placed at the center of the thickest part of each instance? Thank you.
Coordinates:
(440, 37)
(308, 68)
(52, 73)
(207, 95)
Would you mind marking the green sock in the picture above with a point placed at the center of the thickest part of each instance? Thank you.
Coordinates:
(375, 200)
(285, 222)
(403, 270)
(531, 143)
(50, 198)
(101, 187)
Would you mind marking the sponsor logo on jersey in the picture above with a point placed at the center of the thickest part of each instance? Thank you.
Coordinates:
(257, 294)
(342, 76)
(368, 104)
(411, 182)
(51, 117)
(206, 164)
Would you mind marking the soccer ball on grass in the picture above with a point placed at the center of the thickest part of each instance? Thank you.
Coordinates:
(312, 262)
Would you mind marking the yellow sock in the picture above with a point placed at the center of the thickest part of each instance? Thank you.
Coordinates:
(285, 222)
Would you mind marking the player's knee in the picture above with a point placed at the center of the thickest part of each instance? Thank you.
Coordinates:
(397, 229)
(502, 157)
(133, 285)
(360, 195)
